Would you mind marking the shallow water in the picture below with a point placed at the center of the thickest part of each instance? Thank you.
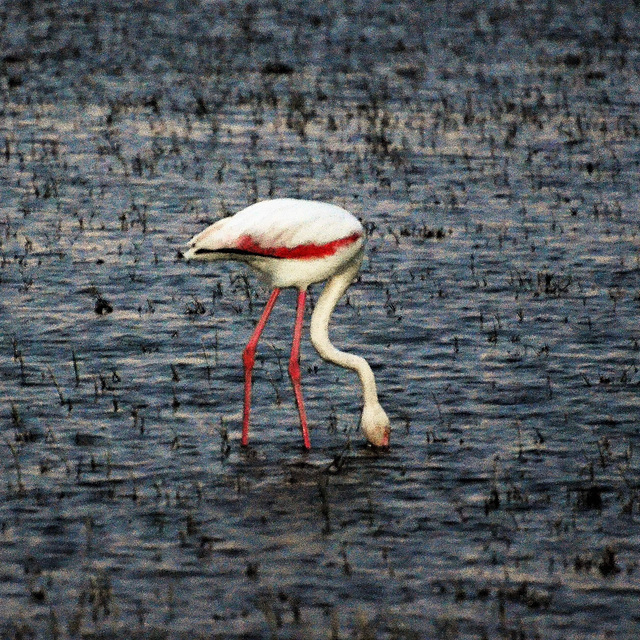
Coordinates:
(493, 155)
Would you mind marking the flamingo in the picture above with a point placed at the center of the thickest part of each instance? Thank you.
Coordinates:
(295, 243)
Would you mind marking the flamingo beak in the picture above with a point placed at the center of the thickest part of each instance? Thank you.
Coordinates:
(383, 444)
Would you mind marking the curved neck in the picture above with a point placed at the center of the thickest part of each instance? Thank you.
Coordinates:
(320, 318)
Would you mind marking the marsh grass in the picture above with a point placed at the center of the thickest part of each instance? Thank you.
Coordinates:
(491, 153)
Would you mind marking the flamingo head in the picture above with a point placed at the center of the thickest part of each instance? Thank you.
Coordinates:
(375, 425)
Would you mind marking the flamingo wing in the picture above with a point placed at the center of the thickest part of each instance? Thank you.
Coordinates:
(282, 228)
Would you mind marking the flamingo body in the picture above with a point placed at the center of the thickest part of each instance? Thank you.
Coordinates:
(295, 243)
(290, 243)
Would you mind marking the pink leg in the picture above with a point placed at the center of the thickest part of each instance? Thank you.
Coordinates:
(248, 358)
(294, 367)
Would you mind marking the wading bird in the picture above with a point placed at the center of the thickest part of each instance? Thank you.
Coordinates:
(295, 243)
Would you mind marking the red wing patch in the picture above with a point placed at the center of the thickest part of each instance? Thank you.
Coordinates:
(300, 252)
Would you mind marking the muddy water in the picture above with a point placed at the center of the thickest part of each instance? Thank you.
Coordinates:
(493, 155)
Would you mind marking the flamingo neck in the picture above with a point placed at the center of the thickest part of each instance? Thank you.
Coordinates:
(319, 330)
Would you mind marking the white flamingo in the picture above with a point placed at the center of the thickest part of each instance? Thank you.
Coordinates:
(294, 243)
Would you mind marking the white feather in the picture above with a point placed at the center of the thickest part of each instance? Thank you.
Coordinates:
(284, 222)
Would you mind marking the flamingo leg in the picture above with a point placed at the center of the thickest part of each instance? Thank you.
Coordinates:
(294, 367)
(249, 358)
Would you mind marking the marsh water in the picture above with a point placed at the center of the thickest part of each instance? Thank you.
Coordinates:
(492, 152)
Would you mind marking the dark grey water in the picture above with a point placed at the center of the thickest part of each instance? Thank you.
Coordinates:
(493, 154)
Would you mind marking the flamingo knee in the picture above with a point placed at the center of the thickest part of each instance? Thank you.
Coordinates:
(249, 356)
(294, 370)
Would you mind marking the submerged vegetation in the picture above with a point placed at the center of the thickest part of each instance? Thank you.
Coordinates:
(492, 153)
